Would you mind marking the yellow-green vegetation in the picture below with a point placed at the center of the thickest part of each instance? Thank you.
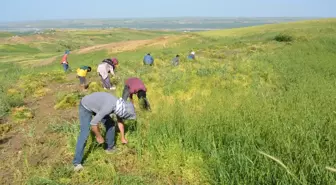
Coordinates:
(67, 100)
(257, 106)
(41, 92)
(21, 114)
(4, 128)
(35, 85)
(95, 87)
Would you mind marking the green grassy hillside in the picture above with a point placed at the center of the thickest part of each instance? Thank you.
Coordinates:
(256, 107)
(34, 48)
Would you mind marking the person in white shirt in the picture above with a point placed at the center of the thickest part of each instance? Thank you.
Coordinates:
(103, 70)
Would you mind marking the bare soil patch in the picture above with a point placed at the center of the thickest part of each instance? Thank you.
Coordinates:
(117, 47)
(28, 143)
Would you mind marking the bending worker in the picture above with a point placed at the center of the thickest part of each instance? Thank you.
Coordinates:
(135, 86)
(148, 60)
(176, 60)
(103, 70)
(81, 74)
(101, 105)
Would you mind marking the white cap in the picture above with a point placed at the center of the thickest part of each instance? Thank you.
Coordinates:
(193, 53)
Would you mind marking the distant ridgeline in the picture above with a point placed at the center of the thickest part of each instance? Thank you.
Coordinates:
(182, 24)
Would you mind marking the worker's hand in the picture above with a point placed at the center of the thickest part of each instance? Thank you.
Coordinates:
(124, 141)
(100, 139)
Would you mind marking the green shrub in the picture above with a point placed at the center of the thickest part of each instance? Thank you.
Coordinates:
(283, 38)
(15, 100)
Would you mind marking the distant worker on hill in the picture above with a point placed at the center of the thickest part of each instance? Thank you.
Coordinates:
(136, 86)
(176, 60)
(148, 60)
(191, 56)
(103, 70)
(100, 105)
(64, 61)
(81, 74)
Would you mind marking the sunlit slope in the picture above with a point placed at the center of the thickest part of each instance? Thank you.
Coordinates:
(303, 28)
(257, 106)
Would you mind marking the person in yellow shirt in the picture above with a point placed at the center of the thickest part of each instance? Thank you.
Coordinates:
(81, 74)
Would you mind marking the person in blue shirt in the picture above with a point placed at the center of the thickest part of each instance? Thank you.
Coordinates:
(191, 56)
(148, 60)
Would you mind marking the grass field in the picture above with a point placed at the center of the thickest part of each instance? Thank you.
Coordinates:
(258, 106)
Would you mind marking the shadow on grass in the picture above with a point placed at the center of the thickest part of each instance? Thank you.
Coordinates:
(4, 141)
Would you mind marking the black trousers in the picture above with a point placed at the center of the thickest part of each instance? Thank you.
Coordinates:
(141, 95)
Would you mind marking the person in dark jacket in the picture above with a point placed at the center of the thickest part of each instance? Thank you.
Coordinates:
(148, 60)
(136, 86)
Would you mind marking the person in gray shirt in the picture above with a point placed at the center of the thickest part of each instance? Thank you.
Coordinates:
(176, 60)
(100, 105)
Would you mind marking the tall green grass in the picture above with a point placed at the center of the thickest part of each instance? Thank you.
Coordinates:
(292, 122)
(276, 130)
(9, 74)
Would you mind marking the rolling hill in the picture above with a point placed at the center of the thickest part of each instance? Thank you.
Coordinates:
(257, 106)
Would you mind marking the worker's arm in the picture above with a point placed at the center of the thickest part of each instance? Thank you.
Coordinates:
(122, 131)
(125, 93)
(111, 70)
(99, 137)
(95, 120)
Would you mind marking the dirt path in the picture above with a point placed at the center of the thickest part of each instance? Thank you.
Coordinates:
(130, 45)
(117, 47)
(28, 143)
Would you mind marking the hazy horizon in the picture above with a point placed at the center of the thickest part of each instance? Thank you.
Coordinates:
(158, 18)
(168, 23)
(33, 10)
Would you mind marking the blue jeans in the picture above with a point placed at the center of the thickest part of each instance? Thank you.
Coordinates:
(65, 67)
(85, 117)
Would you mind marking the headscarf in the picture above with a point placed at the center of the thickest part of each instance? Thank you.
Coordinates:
(125, 110)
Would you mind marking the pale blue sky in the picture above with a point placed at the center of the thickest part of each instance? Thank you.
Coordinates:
(19, 10)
